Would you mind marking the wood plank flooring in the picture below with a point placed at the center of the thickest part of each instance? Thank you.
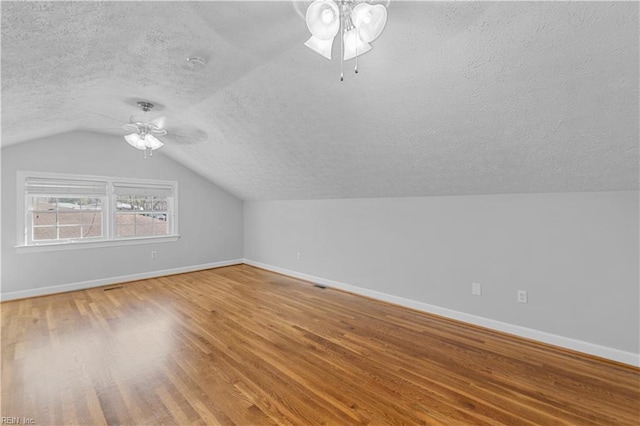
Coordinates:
(240, 345)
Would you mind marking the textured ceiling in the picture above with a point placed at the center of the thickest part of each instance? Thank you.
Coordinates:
(454, 97)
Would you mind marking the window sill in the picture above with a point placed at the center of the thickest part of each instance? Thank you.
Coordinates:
(75, 245)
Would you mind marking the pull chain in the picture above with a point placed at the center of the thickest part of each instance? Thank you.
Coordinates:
(342, 44)
(357, 38)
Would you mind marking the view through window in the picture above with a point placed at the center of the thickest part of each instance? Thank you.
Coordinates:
(141, 216)
(68, 209)
(59, 218)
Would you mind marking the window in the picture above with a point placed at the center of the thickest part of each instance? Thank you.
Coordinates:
(142, 210)
(63, 209)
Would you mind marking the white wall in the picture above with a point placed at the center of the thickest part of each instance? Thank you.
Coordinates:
(575, 253)
(210, 219)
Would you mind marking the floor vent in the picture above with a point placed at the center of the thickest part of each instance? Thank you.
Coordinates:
(112, 288)
(320, 286)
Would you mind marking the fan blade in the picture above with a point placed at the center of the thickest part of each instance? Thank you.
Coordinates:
(157, 132)
(138, 119)
(160, 122)
(130, 127)
(187, 135)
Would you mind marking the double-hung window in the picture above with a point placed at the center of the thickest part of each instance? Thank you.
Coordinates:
(65, 210)
(142, 210)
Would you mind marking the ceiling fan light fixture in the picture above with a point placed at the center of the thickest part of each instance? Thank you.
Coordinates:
(354, 45)
(323, 19)
(322, 47)
(135, 141)
(359, 22)
(152, 142)
(370, 20)
(144, 131)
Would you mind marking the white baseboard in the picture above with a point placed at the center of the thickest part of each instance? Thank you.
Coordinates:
(528, 333)
(43, 291)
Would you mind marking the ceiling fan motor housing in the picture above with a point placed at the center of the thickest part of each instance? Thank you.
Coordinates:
(145, 106)
(141, 125)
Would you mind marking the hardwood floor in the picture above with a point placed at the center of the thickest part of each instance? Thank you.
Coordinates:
(239, 345)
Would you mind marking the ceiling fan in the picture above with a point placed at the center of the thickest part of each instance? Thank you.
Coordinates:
(156, 130)
(144, 131)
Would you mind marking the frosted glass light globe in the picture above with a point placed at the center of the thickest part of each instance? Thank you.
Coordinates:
(327, 16)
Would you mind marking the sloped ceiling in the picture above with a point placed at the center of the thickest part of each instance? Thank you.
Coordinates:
(454, 97)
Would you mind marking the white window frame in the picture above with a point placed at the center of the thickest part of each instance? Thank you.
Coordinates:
(149, 188)
(109, 238)
(38, 187)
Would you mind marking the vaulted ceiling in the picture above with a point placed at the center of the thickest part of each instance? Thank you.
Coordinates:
(454, 97)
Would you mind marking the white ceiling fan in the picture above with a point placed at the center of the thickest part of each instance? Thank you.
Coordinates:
(157, 130)
(145, 132)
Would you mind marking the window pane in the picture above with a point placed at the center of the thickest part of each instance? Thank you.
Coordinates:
(160, 226)
(91, 223)
(69, 217)
(46, 233)
(125, 231)
(61, 218)
(144, 225)
(91, 218)
(125, 219)
(140, 203)
(43, 203)
(69, 204)
(90, 231)
(70, 232)
(141, 225)
(44, 219)
(131, 202)
(160, 205)
(91, 204)
(123, 203)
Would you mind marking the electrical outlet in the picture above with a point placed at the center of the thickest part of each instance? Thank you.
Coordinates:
(154, 254)
(476, 289)
(522, 296)
(299, 256)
